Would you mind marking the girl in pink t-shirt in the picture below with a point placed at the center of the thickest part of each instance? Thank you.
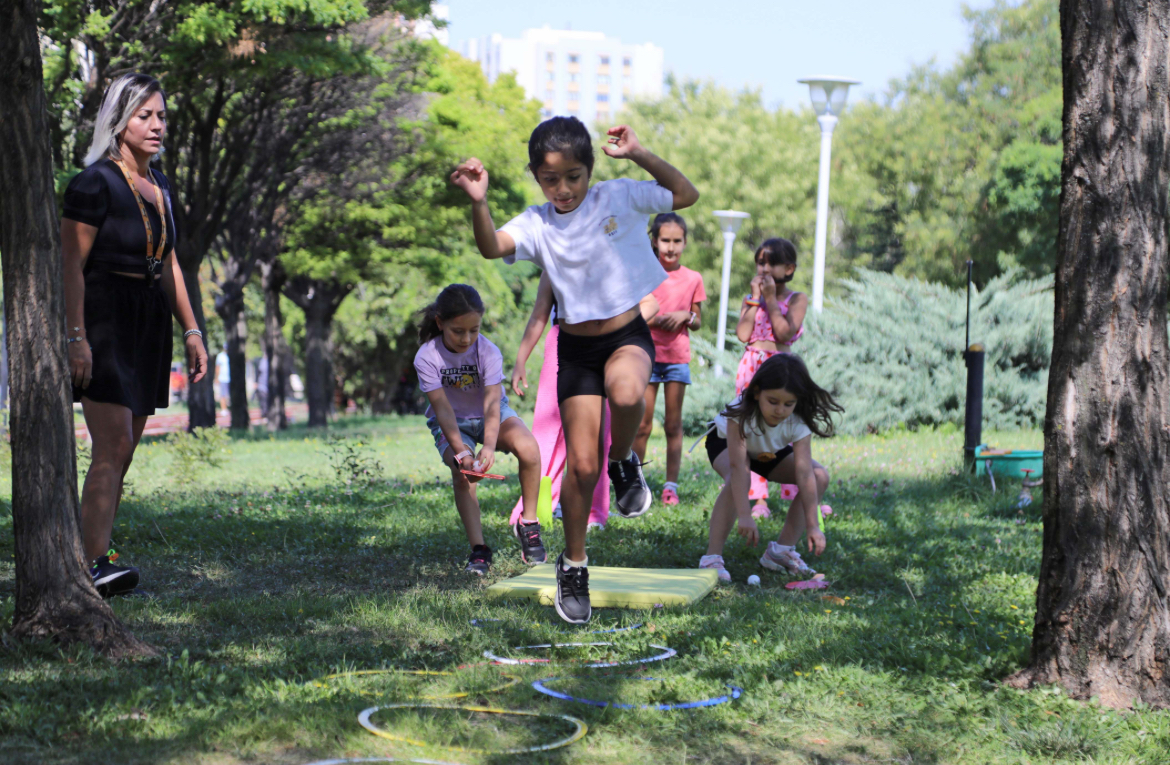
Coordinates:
(462, 373)
(680, 300)
(771, 319)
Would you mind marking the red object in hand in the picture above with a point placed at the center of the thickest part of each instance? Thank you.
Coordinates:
(482, 475)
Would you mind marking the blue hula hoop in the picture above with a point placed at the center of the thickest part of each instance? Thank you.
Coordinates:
(540, 686)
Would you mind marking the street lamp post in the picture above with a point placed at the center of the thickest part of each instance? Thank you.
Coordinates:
(729, 222)
(828, 96)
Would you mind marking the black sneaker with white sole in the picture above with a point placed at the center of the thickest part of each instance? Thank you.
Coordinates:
(480, 560)
(573, 592)
(531, 545)
(110, 579)
(629, 485)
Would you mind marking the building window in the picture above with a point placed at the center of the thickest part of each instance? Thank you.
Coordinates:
(550, 94)
(627, 62)
(604, 61)
(603, 97)
(573, 77)
(603, 79)
(551, 76)
(574, 58)
(550, 57)
(546, 113)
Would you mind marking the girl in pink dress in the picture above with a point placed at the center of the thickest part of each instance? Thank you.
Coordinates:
(771, 319)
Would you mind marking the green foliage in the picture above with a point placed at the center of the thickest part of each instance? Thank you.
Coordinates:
(192, 453)
(890, 349)
(353, 461)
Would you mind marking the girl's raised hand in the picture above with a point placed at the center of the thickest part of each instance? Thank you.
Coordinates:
(472, 177)
(519, 380)
(757, 281)
(768, 287)
(622, 142)
(749, 531)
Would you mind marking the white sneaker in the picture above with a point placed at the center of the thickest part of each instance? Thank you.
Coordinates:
(594, 526)
(715, 562)
(780, 557)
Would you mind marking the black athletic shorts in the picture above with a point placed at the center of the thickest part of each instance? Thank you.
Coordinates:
(581, 360)
(716, 446)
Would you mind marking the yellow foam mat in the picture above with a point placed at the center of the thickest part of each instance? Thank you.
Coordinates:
(611, 587)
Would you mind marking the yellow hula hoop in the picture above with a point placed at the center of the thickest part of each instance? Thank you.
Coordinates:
(512, 680)
(577, 735)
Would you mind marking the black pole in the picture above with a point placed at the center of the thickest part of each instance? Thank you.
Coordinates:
(973, 415)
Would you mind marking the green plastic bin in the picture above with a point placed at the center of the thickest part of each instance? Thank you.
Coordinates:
(1011, 464)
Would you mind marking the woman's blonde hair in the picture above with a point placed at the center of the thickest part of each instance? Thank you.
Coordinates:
(123, 98)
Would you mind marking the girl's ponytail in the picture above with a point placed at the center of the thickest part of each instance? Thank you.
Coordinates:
(454, 300)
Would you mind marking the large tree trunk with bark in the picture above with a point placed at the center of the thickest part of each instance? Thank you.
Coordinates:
(272, 279)
(319, 299)
(55, 597)
(1102, 608)
(200, 395)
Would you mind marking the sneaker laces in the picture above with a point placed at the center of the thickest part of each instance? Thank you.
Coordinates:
(111, 555)
(575, 581)
(530, 533)
(480, 554)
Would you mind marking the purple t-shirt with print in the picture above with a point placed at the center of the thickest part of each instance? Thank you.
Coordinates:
(462, 376)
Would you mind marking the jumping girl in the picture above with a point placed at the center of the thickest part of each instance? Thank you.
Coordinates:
(771, 319)
(680, 298)
(546, 419)
(768, 430)
(462, 373)
(591, 241)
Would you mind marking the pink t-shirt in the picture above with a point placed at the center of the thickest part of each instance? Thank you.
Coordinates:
(682, 288)
(462, 376)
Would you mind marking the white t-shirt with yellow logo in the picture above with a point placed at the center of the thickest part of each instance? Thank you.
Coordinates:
(597, 257)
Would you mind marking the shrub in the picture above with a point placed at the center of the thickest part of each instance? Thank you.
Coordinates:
(353, 461)
(192, 453)
(890, 350)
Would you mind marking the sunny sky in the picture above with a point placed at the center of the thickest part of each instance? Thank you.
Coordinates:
(766, 44)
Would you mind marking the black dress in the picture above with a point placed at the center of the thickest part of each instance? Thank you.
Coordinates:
(127, 320)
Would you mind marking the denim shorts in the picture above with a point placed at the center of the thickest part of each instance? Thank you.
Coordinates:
(470, 427)
(663, 372)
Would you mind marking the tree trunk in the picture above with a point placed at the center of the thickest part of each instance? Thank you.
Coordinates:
(55, 597)
(318, 362)
(230, 308)
(1102, 613)
(272, 280)
(319, 299)
(200, 395)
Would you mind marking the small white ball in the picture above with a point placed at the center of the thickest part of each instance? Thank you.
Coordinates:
(754, 580)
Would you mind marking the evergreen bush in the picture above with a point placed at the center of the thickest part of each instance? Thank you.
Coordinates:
(890, 349)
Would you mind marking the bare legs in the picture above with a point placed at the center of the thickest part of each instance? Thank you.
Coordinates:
(675, 394)
(115, 433)
(723, 517)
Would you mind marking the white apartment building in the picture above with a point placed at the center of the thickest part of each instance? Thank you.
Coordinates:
(583, 74)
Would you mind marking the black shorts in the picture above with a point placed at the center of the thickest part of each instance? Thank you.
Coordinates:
(581, 359)
(716, 446)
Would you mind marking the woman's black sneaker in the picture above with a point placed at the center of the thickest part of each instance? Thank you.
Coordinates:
(110, 579)
(531, 545)
(573, 592)
(629, 485)
(480, 560)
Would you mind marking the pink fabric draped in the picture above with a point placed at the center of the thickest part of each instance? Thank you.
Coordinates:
(546, 426)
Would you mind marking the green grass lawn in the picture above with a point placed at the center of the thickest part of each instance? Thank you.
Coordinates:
(271, 572)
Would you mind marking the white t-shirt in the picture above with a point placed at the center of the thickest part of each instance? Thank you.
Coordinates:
(767, 440)
(598, 256)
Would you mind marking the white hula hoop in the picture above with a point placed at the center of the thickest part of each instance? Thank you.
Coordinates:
(666, 654)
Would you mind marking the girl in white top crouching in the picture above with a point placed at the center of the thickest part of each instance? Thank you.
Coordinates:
(768, 430)
(591, 242)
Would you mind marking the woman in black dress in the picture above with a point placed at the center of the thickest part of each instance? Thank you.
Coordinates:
(122, 284)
